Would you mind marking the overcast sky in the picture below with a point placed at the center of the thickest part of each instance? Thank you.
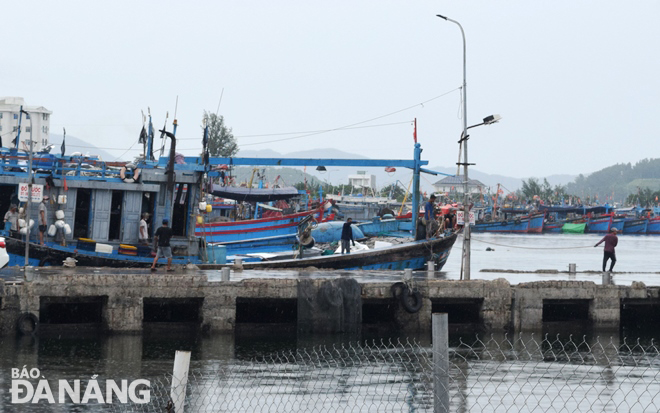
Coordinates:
(576, 83)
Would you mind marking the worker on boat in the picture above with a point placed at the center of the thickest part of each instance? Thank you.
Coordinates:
(43, 218)
(429, 217)
(347, 236)
(11, 217)
(143, 235)
(162, 238)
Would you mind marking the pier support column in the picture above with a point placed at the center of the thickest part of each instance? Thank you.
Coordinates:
(124, 313)
(219, 313)
(329, 306)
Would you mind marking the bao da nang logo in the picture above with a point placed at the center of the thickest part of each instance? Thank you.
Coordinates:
(29, 386)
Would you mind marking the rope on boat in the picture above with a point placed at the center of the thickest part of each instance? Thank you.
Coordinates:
(533, 248)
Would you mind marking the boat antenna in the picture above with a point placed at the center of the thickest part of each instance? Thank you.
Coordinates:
(219, 102)
(162, 135)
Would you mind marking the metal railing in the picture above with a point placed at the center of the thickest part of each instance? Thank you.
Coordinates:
(494, 375)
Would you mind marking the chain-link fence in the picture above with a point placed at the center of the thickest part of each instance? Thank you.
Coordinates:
(494, 375)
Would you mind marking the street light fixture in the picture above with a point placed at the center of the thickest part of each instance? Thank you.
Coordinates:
(465, 263)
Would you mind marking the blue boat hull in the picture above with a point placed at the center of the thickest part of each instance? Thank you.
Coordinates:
(412, 255)
(527, 224)
(635, 226)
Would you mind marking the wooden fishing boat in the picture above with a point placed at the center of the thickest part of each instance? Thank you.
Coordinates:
(524, 224)
(414, 254)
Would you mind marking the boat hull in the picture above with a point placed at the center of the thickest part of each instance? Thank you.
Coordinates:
(527, 224)
(251, 229)
(635, 225)
(653, 226)
(412, 255)
(44, 255)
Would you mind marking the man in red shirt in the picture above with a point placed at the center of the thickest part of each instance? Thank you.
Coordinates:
(608, 252)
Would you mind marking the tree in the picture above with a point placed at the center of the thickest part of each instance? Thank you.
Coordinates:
(394, 191)
(221, 140)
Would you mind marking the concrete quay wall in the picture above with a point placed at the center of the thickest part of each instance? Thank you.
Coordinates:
(319, 302)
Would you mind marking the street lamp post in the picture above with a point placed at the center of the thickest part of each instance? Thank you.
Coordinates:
(465, 263)
(466, 207)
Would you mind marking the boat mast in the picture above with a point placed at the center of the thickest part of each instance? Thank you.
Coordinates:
(29, 199)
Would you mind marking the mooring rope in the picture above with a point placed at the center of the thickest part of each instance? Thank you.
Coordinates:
(532, 248)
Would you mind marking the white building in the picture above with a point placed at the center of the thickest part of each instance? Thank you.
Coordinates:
(362, 180)
(456, 185)
(36, 124)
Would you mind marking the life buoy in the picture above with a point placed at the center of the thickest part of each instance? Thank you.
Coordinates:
(129, 173)
(411, 300)
(517, 221)
(27, 324)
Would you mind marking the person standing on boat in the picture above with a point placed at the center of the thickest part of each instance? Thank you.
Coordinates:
(347, 236)
(143, 235)
(611, 241)
(162, 238)
(43, 218)
(429, 217)
(12, 217)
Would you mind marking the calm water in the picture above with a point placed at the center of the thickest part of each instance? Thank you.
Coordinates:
(600, 387)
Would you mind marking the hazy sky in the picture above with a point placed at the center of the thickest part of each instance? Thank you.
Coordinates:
(577, 83)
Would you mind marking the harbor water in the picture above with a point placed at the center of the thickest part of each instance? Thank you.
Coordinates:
(77, 356)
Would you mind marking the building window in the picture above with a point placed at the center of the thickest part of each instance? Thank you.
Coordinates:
(28, 129)
(15, 128)
(15, 115)
(0, 128)
(27, 116)
(44, 129)
(45, 116)
(1, 115)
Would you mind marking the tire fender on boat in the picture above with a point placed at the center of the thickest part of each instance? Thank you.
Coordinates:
(46, 260)
(27, 324)
(129, 173)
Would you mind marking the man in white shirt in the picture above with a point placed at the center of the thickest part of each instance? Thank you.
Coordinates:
(143, 235)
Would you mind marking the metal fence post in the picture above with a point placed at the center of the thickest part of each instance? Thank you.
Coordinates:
(180, 380)
(440, 333)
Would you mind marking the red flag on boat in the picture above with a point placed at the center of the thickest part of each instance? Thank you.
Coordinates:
(64, 185)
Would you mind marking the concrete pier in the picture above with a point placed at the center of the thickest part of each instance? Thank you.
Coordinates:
(132, 302)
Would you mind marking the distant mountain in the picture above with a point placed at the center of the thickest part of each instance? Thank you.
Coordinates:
(74, 144)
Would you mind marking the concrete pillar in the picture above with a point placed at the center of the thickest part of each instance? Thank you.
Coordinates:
(219, 313)
(329, 306)
(124, 313)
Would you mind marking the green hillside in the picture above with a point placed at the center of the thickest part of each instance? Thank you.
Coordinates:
(619, 181)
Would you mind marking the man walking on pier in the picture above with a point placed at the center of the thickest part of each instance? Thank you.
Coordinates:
(608, 252)
(162, 238)
(347, 236)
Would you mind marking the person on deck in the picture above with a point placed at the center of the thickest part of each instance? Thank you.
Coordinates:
(347, 236)
(611, 241)
(43, 218)
(429, 217)
(162, 238)
(12, 217)
(143, 235)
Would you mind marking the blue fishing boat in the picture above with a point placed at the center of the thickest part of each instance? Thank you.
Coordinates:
(633, 225)
(653, 226)
(525, 224)
(412, 255)
(604, 223)
(97, 205)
